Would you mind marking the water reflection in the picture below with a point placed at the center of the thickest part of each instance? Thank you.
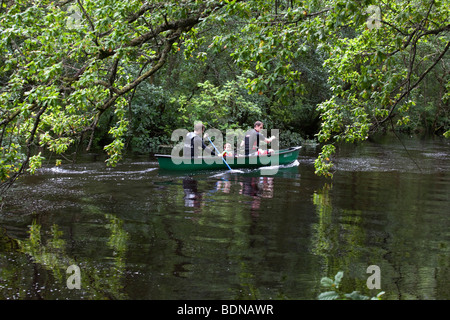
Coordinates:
(192, 198)
(339, 233)
(48, 251)
(257, 188)
(391, 220)
(138, 233)
(323, 242)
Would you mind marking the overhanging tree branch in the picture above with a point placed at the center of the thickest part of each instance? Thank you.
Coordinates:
(412, 87)
(163, 57)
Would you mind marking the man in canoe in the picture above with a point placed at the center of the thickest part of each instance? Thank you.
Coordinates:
(194, 140)
(252, 139)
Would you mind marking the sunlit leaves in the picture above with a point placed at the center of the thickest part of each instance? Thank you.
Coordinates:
(9, 157)
(323, 163)
(374, 70)
(115, 148)
(64, 64)
(35, 162)
(270, 55)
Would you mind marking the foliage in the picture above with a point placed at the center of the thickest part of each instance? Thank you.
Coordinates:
(225, 107)
(35, 163)
(374, 72)
(322, 163)
(278, 61)
(377, 56)
(150, 116)
(64, 64)
(290, 138)
(335, 292)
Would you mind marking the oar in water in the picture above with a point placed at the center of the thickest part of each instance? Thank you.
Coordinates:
(223, 158)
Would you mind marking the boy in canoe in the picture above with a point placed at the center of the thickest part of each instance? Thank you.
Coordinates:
(227, 150)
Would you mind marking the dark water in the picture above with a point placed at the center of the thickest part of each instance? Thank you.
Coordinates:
(138, 233)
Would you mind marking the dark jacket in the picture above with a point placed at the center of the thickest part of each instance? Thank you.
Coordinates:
(252, 139)
(192, 144)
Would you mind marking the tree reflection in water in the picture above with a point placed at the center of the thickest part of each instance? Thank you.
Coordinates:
(47, 250)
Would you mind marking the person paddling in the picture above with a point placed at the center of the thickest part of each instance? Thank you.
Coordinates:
(252, 139)
(193, 142)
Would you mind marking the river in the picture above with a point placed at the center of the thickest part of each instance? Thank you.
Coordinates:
(136, 232)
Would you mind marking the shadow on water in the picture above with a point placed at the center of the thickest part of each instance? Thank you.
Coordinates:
(137, 232)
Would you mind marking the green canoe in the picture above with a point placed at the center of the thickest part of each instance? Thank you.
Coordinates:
(280, 157)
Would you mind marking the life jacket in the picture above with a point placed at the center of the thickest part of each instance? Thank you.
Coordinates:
(227, 154)
(262, 152)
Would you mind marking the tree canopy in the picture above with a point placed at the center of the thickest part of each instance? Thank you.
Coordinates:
(73, 71)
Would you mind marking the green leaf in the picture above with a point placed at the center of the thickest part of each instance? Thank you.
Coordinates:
(327, 282)
(338, 277)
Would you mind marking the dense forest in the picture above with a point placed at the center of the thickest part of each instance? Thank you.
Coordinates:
(119, 76)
